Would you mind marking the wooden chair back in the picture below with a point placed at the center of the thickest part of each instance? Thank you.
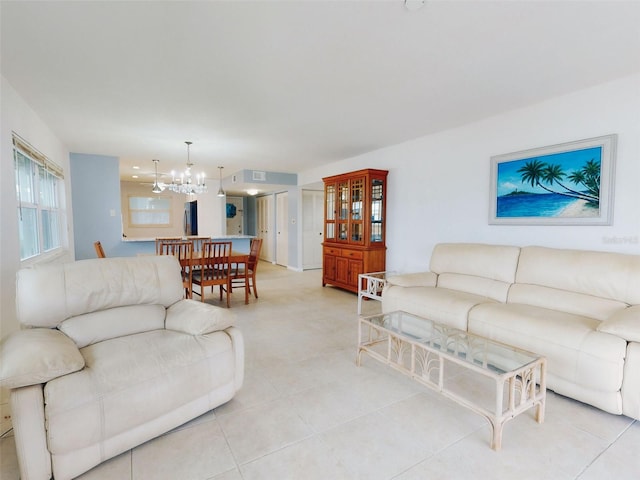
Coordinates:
(245, 276)
(197, 243)
(254, 253)
(214, 268)
(99, 250)
(183, 251)
(161, 240)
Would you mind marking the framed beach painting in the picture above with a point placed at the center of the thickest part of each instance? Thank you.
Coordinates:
(566, 184)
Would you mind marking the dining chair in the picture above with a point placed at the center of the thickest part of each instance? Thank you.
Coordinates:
(183, 251)
(99, 250)
(214, 268)
(197, 243)
(249, 270)
(160, 240)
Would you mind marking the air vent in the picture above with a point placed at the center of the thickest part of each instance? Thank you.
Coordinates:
(259, 176)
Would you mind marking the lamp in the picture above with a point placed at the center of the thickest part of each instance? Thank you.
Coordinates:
(156, 188)
(220, 190)
(185, 184)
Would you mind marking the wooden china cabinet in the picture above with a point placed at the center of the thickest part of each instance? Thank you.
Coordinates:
(354, 227)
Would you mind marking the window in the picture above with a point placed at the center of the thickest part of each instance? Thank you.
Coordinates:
(149, 211)
(38, 184)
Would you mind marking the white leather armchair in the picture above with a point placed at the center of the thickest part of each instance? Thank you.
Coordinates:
(111, 356)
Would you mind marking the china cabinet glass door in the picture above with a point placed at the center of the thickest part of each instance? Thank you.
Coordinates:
(377, 198)
(330, 212)
(357, 210)
(343, 211)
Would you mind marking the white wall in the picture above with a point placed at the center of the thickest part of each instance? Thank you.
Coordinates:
(16, 116)
(212, 214)
(438, 187)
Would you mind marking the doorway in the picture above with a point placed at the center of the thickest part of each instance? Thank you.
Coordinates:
(264, 206)
(235, 215)
(282, 228)
(312, 228)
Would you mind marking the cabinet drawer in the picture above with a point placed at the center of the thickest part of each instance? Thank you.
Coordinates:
(332, 251)
(353, 254)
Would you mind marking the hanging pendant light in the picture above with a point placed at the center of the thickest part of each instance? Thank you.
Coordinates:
(220, 190)
(156, 188)
(186, 184)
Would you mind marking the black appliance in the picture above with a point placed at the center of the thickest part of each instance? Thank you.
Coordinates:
(191, 218)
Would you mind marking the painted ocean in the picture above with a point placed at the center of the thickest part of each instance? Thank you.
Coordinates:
(532, 205)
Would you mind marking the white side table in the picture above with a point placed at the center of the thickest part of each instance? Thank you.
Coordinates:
(373, 283)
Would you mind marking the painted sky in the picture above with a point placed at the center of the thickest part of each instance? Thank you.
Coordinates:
(509, 179)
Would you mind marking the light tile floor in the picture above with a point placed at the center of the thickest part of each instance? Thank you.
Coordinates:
(307, 412)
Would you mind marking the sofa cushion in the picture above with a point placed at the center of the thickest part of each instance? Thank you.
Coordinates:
(113, 322)
(575, 350)
(624, 324)
(497, 262)
(484, 287)
(37, 355)
(75, 288)
(197, 318)
(601, 274)
(564, 301)
(130, 381)
(419, 279)
(441, 305)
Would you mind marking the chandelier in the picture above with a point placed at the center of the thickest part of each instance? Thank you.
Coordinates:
(185, 182)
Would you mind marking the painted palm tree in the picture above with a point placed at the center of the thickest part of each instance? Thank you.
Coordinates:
(554, 174)
(532, 173)
(537, 173)
(592, 177)
(589, 177)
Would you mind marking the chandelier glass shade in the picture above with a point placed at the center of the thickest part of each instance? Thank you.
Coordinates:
(156, 188)
(186, 183)
(221, 190)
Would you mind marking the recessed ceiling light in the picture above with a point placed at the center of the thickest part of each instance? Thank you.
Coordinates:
(413, 5)
(134, 176)
(136, 167)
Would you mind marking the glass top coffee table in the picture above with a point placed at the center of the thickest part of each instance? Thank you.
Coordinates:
(437, 356)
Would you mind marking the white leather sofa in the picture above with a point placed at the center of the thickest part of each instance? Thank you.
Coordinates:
(580, 309)
(111, 356)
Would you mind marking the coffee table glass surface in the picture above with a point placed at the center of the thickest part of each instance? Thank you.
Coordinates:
(432, 353)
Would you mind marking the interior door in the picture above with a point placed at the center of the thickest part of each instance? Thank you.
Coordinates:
(312, 226)
(235, 216)
(282, 229)
(265, 226)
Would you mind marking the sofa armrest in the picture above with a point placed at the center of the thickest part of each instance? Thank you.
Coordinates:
(37, 355)
(624, 324)
(29, 427)
(197, 318)
(237, 340)
(421, 279)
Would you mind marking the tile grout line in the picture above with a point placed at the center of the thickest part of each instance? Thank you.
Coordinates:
(601, 453)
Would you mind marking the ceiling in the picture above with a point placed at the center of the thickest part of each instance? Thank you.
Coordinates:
(288, 85)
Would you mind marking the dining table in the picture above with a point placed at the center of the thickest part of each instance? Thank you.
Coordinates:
(235, 259)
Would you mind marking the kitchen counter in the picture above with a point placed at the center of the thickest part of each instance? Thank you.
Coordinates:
(132, 246)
